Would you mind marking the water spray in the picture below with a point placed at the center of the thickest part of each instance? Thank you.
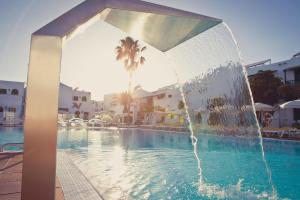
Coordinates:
(190, 126)
(269, 172)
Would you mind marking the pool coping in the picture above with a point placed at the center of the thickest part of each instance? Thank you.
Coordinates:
(75, 184)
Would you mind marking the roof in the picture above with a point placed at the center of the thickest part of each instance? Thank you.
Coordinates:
(160, 26)
(294, 62)
(259, 63)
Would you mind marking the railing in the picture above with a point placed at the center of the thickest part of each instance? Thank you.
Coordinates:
(292, 82)
(2, 147)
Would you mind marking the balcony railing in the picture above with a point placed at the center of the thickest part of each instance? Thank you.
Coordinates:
(292, 82)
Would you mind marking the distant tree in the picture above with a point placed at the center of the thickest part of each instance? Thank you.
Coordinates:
(289, 92)
(129, 52)
(264, 86)
(215, 103)
(198, 118)
(215, 118)
(149, 105)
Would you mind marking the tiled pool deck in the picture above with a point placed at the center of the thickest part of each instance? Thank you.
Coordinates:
(74, 183)
(71, 185)
(11, 177)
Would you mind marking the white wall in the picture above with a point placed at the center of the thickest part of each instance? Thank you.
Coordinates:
(98, 106)
(66, 101)
(81, 105)
(169, 101)
(112, 104)
(286, 117)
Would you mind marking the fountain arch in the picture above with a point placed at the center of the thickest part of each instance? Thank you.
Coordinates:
(159, 26)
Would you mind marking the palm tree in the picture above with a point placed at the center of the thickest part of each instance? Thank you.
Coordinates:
(129, 51)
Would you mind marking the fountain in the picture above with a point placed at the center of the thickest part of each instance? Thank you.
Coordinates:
(231, 94)
(208, 68)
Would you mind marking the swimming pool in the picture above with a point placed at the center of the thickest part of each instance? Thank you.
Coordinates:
(145, 164)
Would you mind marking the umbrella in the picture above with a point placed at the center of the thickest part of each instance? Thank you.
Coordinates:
(263, 107)
(291, 104)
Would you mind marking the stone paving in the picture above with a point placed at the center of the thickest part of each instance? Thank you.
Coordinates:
(11, 177)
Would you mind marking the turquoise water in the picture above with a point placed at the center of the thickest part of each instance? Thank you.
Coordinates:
(11, 135)
(144, 164)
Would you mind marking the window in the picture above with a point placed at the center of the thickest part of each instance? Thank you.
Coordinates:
(75, 98)
(83, 98)
(85, 115)
(296, 114)
(77, 114)
(63, 109)
(161, 96)
(15, 92)
(297, 76)
(170, 96)
(1, 109)
(12, 109)
(3, 91)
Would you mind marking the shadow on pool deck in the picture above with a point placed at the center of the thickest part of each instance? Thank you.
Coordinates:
(11, 177)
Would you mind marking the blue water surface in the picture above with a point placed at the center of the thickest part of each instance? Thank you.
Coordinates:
(145, 164)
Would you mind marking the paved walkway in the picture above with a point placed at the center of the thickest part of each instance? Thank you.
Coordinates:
(74, 183)
(11, 177)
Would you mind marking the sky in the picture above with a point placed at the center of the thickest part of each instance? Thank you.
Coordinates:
(263, 29)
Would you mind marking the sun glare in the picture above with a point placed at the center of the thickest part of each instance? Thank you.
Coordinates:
(89, 61)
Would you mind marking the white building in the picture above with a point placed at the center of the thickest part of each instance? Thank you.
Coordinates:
(11, 102)
(167, 99)
(98, 106)
(287, 70)
(74, 103)
(112, 104)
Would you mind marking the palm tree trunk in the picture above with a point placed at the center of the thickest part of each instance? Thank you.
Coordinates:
(129, 93)
(129, 82)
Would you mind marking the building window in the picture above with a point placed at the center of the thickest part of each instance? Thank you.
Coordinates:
(296, 114)
(63, 109)
(75, 98)
(12, 109)
(85, 115)
(3, 91)
(83, 98)
(297, 76)
(161, 96)
(170, 96)
(1, 109)
(15, 92)
(77, 114)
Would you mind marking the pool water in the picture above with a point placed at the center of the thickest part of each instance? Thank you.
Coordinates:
(145, 164)
(11, 135)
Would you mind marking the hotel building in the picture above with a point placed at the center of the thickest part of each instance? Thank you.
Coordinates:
(11, 102)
